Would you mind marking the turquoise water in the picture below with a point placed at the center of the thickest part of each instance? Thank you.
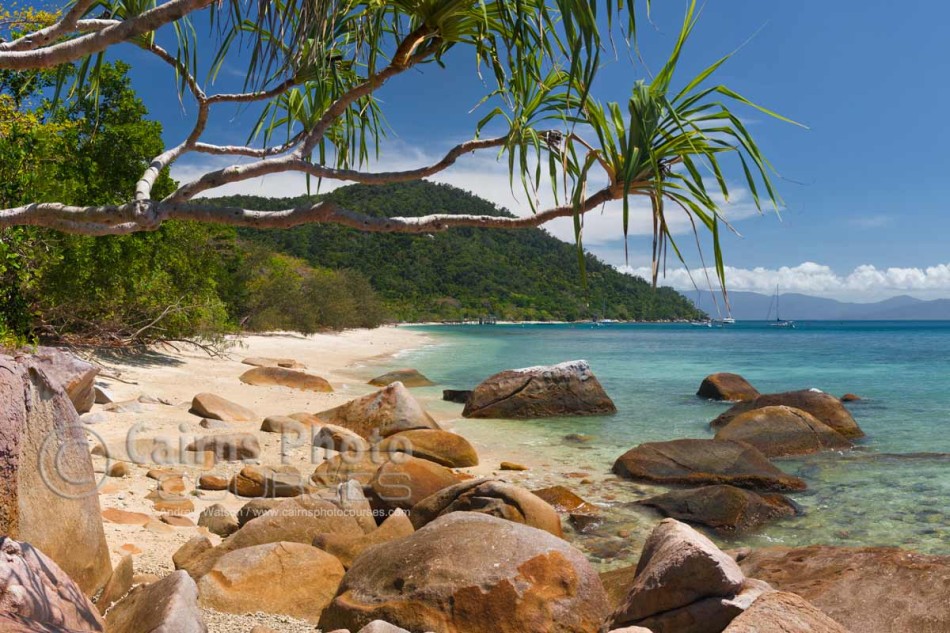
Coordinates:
(893, 490)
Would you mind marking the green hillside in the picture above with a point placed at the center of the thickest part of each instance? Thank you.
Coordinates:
(463, 273)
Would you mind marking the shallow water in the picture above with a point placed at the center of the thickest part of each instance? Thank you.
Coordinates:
(892, 490)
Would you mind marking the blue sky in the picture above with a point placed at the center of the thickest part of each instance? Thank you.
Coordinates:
(865, 187)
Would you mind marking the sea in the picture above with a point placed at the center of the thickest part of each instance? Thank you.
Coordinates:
(893, 489)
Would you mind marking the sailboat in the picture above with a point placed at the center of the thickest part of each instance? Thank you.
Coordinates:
(778, 322)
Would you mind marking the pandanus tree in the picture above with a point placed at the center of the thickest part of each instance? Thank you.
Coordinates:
(315, 68)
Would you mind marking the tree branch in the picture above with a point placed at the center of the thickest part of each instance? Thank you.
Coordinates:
(74, 49)
(44, 36)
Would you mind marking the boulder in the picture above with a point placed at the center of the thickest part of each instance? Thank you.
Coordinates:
(823, 406)
(728, 387)
(563, 499)
(169, 605)
(780, 612)
(467, 573)
(704, 462)
(280, 377)
(866, 589)
(215, 425)
(850, 397)
(12, 623)
(124, 517)
(32, 586)
(283, 424)
(489, 496)
(255, 508)
(390, 410)
(282, 578)
(191, 551)
(296, 520)
(218, 520)
(263, 361)
(540, 392)
(458, 396)
(512, 466)
(725, 509)
(341, 468)
(119, 584)
(408, 377)
(448, 449)
(337, 438)
(230, 447)
(347, 547)
(781, 431)
(307, 419)
(709, 615)
(211, 481)
(48, 489)
(208, 405)
(101, 395)
(75, 376)
(678, 568)
(266, 481)
(406, 482)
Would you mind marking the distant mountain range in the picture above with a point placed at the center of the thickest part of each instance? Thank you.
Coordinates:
(752, 306)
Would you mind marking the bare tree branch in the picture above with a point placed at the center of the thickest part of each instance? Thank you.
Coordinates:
(98, 41)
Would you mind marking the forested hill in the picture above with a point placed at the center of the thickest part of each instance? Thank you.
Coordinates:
(463, 273)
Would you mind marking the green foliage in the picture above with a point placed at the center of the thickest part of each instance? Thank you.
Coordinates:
(464, 273)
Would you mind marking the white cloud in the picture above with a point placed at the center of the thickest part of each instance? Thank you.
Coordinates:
(484, 175)
(865, 282)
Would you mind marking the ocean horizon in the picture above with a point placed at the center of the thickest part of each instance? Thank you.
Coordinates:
(890, 490)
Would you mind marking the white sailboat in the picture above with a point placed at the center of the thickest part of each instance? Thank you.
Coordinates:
(779, 321)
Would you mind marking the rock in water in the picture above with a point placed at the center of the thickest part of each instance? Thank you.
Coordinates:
(540, 392)
(278, 376)
(48, 494)
(444, 448)
(282, 578)
(408, 377)
(34, 587)
(390, 410)
(459, 396)
(780, 612)
(781, 431)
(208, 405)
(471, 573)
(487, 496)
(683, 584)
(75, 376)
(823, 406)
(725, 509)
(728, 387)
(704, 462)
(169, 605)
(866, 589)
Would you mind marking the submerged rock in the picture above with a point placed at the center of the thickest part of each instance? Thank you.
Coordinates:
(823, 406)
(471, 573)
(458, 396)
(725, 509)
(780, 431)
(390, 410)
(704, 462)
(538, 392)
(408, 377)
(728, 387)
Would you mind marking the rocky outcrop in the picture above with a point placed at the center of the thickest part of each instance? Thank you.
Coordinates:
(728, 387)
(725, 509)
(780, 612)
(865, 589)
(280, 377)
(823, 406)
(229, 447)
(684, 584)
(540, 392)
(489, 496)
(406, 482)
(444, 448)
(33, 587)
(704, 462)
(169, 605)
(781, 431)
(390, 410)
(468, 573)
(208, 405)
(48, 490)
(347, 547)
(283, 578)
(408, 377)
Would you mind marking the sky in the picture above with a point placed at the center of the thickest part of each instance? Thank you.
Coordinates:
(865, 186)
